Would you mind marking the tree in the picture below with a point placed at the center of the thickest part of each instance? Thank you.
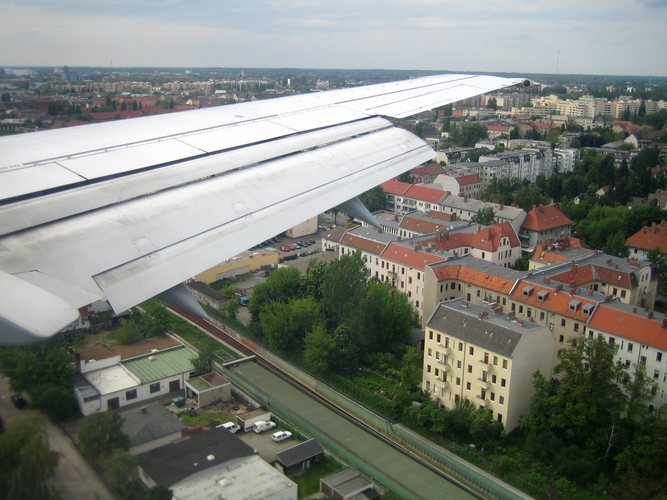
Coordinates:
(26, 462)
(485, 216)
(346, 348)
(374, 199)
(343, 286)
(284, 326)
(129, 331)
(582, 408)
(484, 428)
(203, 363)
(100, 434)
(318, 349)
(492, 103)
(120, 467)
(514, 133)
(282, 285)
(410, 373)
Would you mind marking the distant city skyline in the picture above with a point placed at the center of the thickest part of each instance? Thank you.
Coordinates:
(615, 37)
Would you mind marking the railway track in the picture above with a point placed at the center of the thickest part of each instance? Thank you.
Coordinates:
(249, 348)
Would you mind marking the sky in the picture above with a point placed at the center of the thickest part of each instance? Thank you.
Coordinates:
(617, 37)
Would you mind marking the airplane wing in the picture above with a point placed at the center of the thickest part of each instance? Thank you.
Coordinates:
(124, 210)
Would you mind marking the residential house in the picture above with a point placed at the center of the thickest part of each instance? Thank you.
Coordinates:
(460, 181)
(115, 381)
(646, 239)
(150, 426)
(542, 223)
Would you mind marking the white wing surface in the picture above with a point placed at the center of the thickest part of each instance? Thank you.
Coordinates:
(124, 210)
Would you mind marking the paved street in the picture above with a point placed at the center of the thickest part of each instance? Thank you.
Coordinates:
(74, 478)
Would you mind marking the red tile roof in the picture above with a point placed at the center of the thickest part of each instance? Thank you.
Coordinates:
(630, 326)
(364, 244)
(474, 277)
(428, 169)
(416, 259)
(498, 127)
(442, 215)
(545, 217)
(649, 237)
(466, 180)
(394, 187)
(582, 275)
(545, 256)
(556, 301)
(488, 239)
(423, 193)
(420, 225)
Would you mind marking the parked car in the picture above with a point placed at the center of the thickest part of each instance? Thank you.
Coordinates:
(19, 401)
(280, 436)
(230, 426)
(263, 425)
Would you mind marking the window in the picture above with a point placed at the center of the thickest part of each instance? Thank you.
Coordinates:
(642, 359)
(500, 418)
(656, 373)
(627, 363)
(629, 346)
(467, 386)
(478, 293)
(482, 395)
(461, 346)
(561, 339)
(435, 390)
(446, 341)
(430, 334)
(658, 356)
(437, 355)
(430, 351)
(493, 396)
(520, 309)
(501, 400)
(439, 339)
(493, 379)
(541, 315)
(131, 394)
(458, 380)
(576, 326)
(437, 372)
(428, 368)
(458, 364)
(503, 382)
(622, 294)
(469, 368)
(504, 364)
(471, 350)
(562, 322)
(495, 361)
(155, 387)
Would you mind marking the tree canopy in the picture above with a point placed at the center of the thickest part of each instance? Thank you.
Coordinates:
(100, 434)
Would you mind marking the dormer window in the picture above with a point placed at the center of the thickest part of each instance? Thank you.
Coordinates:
(542, 295)
(527, 291)
(574, 305)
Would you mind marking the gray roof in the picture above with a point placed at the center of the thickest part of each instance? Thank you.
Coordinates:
(299, 453)
(347, 481)
(470, 204)
(146, 423)
(174, 462)
(372, 234)
(495, 332)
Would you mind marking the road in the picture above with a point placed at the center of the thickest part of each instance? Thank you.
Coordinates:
(74, 478)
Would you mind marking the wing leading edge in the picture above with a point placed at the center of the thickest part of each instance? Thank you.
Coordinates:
(123, 211)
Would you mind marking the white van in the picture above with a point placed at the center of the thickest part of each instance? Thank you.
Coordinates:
(281, 436)
(230, 426)
(263, 425)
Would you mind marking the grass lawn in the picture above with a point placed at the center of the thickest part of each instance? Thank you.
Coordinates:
(197, 338)
(309, 481)
(206, 418)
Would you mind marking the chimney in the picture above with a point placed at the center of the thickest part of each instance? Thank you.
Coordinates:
(483, 314)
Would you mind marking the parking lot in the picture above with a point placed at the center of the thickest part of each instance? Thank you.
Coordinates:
(264, 445)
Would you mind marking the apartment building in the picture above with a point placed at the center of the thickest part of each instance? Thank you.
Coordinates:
(403, 197)
(528, 163)
(465, 208)
(481, 354)
(641, 339)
